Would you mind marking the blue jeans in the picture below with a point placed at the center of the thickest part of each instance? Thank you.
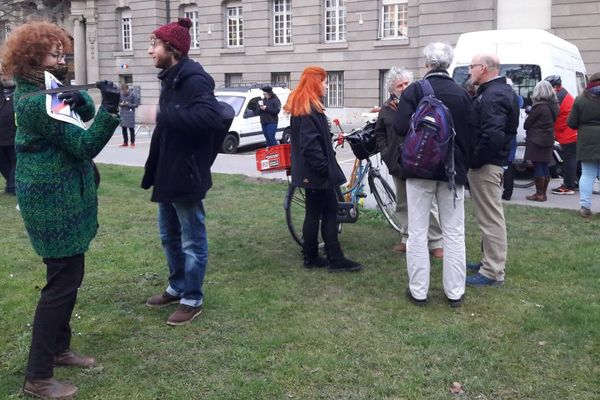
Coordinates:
(541, 168)
(269, 130)
(590, 169)
(183, 236)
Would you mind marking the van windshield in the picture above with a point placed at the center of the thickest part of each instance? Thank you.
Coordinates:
(523, 76)
(234, 101)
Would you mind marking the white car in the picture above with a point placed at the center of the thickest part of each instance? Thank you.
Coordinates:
(246, 128)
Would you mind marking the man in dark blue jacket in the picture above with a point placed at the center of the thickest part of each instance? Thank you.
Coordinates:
(421, 191)
(189, 128)
(496, 118)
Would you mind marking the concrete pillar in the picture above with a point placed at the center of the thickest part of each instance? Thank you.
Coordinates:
(80, 51)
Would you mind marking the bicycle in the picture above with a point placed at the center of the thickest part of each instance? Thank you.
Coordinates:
(363, 145)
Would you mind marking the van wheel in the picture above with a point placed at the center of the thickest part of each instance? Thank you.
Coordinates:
(230, 144)
(286, 135)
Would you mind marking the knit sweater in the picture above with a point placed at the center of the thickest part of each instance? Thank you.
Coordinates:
(54, 177)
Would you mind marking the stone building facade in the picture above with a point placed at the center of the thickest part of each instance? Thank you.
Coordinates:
(356, 41)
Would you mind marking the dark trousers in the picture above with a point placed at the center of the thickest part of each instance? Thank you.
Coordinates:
(51, 330)
(8, 160)
(509, 181)
(569, 156)
(321, 206)
(131, 134)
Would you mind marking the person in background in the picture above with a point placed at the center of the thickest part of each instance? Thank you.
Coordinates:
(495, 119)
(189, 130)
(8, 129)
(269, 111)
(315, 169)
(508, 179)
(422, 192)
(56, 192)
(539, 138)
(128, 104)
(388, 142)
(585, 117)
(566, 137)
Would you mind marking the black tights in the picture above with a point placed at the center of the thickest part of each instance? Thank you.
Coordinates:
(131, 134)
(321, 205)
(51, 330)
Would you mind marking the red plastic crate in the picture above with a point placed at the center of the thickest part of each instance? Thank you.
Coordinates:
(274, 158)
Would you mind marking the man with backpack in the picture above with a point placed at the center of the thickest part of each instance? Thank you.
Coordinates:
(495, 119)
(442, 112)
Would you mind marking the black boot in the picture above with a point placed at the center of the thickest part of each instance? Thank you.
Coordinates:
(339, 263)
(312, 259)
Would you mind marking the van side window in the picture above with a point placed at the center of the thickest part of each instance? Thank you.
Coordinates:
(580, 82)
(252, 109)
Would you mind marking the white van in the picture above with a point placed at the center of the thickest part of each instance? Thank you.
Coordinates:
(246, 128)
(526, 57)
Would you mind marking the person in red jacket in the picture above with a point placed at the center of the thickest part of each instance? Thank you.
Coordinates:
(566, 136)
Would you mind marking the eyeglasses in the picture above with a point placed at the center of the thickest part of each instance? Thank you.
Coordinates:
(475, 65)
(59, 56)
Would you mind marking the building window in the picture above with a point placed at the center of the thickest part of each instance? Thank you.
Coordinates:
(235, 26)
(384, 94)
(281, 78)
(282, 21)
(335, 91)
(394, 19)
(233, 80)
(192, 15)
(335, 20)
(126, 43)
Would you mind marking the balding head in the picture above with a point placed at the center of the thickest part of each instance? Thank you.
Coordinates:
(484, 67)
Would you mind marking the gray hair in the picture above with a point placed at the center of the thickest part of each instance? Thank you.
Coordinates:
(543, 91)
(396, 73)
(438, 55)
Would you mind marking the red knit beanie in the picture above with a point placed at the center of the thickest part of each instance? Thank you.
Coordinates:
(177, 34)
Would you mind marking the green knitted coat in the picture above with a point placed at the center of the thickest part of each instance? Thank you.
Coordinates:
(54, 177)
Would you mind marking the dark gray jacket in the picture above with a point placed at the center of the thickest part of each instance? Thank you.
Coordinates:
(496, 119)
(7, 118)
(388, 141)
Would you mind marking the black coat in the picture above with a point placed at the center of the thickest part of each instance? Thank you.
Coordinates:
(313, 160)
(388, 141)
(185, 140)
(270, 114)
(496, 119)
(539, 125)
(7, 118)
(458, 102)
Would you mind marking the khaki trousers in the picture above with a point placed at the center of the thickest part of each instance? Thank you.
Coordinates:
(434, 235)
(486, 193)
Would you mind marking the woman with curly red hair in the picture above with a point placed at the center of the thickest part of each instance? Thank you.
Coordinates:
(56, 192)
(315, 169)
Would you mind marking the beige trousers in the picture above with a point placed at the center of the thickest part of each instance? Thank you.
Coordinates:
(486, 193)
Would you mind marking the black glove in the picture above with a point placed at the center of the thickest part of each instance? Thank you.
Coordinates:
(111, 96)
(73, 99)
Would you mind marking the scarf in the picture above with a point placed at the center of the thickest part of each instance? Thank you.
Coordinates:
(36, 75)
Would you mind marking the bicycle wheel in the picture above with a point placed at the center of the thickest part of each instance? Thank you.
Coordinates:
(294, 205)
(385, 198)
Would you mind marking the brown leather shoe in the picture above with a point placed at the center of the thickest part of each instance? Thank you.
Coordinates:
(161, 300)
(183, 315)
(399, 248)
(69, 358)
(49, 388)
(437, 253)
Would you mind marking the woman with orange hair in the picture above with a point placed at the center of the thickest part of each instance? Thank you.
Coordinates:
(56, 192)
(315, 169)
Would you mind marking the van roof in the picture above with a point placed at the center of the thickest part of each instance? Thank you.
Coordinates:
(528, 40)
(246, 87)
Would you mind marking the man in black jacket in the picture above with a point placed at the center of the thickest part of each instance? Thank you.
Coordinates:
(496, 118)
(421, 191)
(8, 130)
(189, 126)
(388, 142)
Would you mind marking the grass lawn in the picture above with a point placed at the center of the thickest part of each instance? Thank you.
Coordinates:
(273, 330)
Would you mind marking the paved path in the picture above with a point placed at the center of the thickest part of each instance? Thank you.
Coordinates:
(244, 163)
